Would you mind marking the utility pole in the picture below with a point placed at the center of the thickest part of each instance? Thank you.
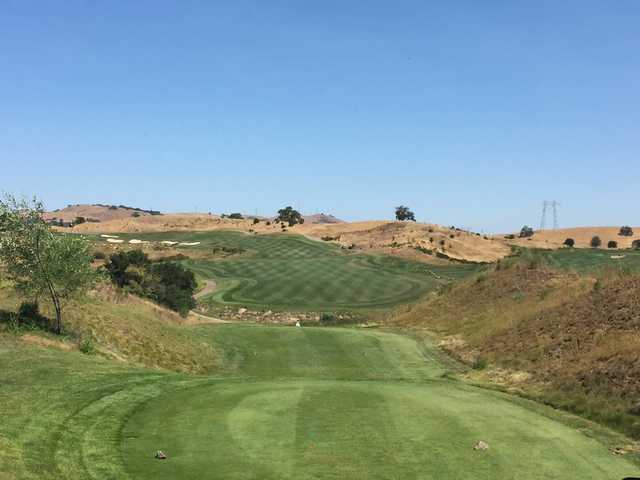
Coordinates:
(554, 208)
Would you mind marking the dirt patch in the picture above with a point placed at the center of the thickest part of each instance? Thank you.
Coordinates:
(47, 342)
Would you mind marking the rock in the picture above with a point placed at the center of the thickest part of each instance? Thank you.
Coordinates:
(481, 446)
(160, 455)
(242, 310)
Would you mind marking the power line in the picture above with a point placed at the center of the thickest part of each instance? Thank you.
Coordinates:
(553, 205)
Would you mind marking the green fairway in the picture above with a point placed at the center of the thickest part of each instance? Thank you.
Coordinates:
(286, 402)
(590, 260)
(292, 272)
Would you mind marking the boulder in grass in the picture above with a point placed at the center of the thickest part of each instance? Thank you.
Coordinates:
(160, 455)
(481, 446)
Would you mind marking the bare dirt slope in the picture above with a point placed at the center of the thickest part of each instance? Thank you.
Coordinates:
(581, 235)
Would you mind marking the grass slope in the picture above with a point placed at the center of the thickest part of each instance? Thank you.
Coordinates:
(285, 403)
(292, 272)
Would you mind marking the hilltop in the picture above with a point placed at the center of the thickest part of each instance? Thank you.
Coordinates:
(97, 213)
(581, 235)
(419, 241)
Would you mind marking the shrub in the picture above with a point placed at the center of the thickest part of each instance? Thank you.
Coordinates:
(612, 244)
(87, 345)
(236, 216)
(268, 223)
(596, 241)
(626, 231)
(569, 242)
(135, 214)
(511, 236)
(256, 220)
(327, 318)
(526, 232)
(79, 220)
(635, 244)
(479, 364)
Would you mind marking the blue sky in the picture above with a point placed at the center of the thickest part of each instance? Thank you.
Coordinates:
(472, 113)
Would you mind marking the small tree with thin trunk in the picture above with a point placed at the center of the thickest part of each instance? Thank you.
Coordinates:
(39, 262)
(596, 242)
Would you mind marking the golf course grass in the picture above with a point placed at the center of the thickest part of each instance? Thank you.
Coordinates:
(283, 402)
(589, 260)
(291, 272)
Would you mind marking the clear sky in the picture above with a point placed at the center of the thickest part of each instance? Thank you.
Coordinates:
(472, 113)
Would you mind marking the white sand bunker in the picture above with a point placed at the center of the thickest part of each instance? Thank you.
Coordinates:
(189, 244)
(113, 240)
(168, 242)
(109, 236)
(135, 240)
(617, 256)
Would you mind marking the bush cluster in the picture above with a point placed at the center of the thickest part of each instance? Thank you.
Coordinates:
(167, 283)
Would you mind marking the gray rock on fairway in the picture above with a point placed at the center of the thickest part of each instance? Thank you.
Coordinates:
(481, 446)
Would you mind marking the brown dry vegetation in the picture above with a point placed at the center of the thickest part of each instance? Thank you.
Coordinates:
(126, 328)
(568, 340)
(396, 238)
(581, 235)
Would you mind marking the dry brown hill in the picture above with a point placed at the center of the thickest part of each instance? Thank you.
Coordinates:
(570, 340)
(416, 240)
(96, 212)
(581, 235)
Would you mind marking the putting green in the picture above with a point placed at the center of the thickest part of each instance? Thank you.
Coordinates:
(294, 273)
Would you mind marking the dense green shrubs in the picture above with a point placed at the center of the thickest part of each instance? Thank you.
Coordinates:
(596, 241)
(167, 283)
(612, 244)
(569, 242)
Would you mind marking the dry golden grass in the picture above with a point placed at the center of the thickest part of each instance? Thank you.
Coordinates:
(581, 235)
(576, 338)
(395, 238)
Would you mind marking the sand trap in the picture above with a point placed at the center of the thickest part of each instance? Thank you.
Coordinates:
(113, 240)
(617, 256)
(109, 236)
(168, 242)
(189, 244)
(135, 240)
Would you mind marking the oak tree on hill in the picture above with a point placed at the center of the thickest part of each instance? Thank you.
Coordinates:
(626, 231)
(403, 214)
(290, 216)
(596, 241)
(526, 232)
(39, 262)
(569, 242)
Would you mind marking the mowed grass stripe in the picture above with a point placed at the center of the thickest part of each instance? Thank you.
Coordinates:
(294, 273)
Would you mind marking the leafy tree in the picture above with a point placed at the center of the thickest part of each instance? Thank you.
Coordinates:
(612, 244)
(79, 220)
(626, 231)
(290, 216)
(256, 220)
(403, 214)
(596, 241)
(569, 242)
(526, 232)
(39, 262)
(636, 244)
(235, 216)
(167, 283)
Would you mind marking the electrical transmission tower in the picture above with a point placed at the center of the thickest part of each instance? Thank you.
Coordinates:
(546, 205)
